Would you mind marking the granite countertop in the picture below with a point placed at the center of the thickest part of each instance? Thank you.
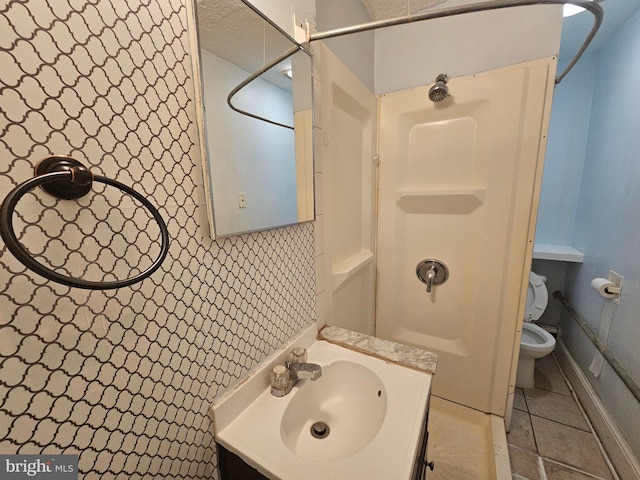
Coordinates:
(404, 355)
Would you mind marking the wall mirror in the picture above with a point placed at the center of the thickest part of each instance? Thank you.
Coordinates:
(258, 164)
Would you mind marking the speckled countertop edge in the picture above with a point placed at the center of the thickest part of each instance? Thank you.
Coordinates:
(404, 355)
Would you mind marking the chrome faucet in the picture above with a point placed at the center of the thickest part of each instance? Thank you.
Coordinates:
(284, 377)
(431, 275)
(298, 371)
(432, 272)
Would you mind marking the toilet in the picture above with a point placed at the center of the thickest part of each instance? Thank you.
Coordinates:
(536, 342)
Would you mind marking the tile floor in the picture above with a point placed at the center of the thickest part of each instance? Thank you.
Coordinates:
(550, 438)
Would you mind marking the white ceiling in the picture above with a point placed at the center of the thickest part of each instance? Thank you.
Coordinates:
(382, 9)
(234, 32)
(231, 30)
(575, 29)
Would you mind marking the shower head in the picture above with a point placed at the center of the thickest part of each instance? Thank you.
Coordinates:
(439, 91)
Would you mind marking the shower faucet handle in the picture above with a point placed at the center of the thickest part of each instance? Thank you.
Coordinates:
(432, 272)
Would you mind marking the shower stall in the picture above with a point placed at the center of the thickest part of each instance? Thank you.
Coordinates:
(447, 170)
(456, 190)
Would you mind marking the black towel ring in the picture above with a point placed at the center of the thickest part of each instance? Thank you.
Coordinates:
(67, 178)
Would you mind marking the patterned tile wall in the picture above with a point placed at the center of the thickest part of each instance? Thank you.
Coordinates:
(124, 378)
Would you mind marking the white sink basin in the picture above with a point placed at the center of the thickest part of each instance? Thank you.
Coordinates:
(374, 411)
(337, 415)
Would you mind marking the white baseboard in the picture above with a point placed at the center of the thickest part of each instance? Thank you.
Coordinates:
(620, 454)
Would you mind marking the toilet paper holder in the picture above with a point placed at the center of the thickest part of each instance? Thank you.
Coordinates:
(606, 287)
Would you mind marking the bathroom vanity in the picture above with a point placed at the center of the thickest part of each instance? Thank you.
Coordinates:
(365, 416)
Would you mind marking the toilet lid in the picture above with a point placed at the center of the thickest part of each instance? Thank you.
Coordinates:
(537, 298)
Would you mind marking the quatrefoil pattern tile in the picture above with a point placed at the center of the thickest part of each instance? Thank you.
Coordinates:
(124, 378)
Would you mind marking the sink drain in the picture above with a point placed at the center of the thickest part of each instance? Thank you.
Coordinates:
(319, 430)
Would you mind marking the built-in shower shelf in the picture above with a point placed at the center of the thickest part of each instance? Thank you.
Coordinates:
(345, 269)
(454, 200)
(561, 253)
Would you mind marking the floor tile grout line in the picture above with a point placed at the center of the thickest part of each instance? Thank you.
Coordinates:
(571, 395)
(540, 459)
(572, 468)
(541, 471)
(584, 414)
(533, 432)
(589, 430)
(553, 391)
(524, 397)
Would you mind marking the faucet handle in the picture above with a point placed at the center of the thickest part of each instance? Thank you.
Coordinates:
(279, 378)
(297, 355)
(432, 272)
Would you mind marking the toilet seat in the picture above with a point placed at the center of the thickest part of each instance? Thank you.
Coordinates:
(537, 298)
(536, 342)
